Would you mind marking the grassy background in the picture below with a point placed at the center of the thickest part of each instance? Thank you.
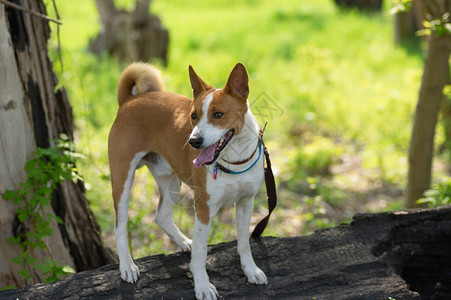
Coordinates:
(339, 97)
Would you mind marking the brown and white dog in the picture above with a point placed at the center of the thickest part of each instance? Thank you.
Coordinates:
(154, 127)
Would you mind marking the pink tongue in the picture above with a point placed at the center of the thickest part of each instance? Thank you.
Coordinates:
(205, 156)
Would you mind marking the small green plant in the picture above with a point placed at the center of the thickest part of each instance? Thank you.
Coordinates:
(48, 168)
(315, 158)
(316, 216)
(439, 194)
(439, 26)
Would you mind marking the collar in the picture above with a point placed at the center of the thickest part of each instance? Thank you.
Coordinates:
(260, 145)
(228, 171)
(241, 162)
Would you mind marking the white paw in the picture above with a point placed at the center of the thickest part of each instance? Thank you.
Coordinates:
(255, 275)
(129, 272)
(185, 244)
(205, 291)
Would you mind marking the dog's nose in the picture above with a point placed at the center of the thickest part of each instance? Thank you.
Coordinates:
(196, 142)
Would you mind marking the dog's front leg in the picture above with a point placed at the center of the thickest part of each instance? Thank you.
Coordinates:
(243, 211)
(202, 286)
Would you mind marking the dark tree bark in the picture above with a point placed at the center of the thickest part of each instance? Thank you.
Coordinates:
(435, 76)
(130, 36)
(31, 113)
(375, 257)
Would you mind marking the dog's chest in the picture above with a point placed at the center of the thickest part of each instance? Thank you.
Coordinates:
(229, 188)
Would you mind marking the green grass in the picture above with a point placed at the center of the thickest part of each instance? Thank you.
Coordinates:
(336, 82)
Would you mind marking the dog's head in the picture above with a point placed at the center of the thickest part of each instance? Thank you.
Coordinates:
(217, 115)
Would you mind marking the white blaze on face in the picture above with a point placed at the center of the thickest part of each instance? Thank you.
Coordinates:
(210, 133)
(212, 136)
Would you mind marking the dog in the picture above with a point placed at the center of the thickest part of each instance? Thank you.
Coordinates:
(182, 139)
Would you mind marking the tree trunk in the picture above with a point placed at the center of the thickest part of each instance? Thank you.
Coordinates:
(408, 23)
(405, 26)
(446, 122)
(32, 112)
(435, 76)
(403, 255)
(130, 36)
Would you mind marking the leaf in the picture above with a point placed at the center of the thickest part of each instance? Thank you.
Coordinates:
(16, 260)
(64, 137)
(30, 165)
(400, 6)
(24, 274)
(423, 32)
(59, 220)
(56, 218)
(15, 240)
(41, 245)
(448, 27)
(44, 200)
(44, 190)
(68, 269)
(9, 195)
(22, 216)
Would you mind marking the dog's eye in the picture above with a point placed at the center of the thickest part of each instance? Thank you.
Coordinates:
(218, 115)
(194, 116)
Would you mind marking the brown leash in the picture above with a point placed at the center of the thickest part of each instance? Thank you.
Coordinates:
(270, 190)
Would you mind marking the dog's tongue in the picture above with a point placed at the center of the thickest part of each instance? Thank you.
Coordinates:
(205, 156)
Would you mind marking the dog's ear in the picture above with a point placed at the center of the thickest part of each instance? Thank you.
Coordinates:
(197, 83)
(238, 82)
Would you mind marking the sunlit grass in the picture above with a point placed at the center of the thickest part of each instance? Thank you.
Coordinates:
(338, 86)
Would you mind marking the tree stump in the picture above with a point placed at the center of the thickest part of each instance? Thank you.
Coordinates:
(363, 5)
(403, 255)
(130, 36)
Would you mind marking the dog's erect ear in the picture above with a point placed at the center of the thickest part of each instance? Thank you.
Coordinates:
(238, 82)
(197, 83)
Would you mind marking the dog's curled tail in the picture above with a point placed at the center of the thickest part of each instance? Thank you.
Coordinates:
(138, 78)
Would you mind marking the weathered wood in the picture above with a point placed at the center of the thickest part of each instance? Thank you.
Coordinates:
(375, 257)
(15, 120)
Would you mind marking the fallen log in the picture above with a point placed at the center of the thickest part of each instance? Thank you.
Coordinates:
(402, 254)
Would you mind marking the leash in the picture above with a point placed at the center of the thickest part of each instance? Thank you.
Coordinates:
(269, 181)
(270, 190)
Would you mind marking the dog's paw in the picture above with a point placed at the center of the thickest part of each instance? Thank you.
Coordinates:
(205, 291)
(129, 272)
(256, 276)
(185, 245)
